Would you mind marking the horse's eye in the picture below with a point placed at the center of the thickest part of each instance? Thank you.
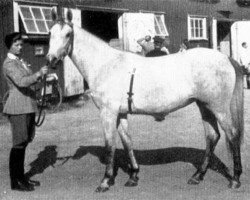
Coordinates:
(67, 35)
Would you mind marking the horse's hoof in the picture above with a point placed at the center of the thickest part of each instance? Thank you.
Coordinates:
(111, 182)
(193, 181)
(101, 189)
(234, 184)
(131, 183)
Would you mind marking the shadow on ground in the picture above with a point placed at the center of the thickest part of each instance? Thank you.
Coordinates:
(48, 157)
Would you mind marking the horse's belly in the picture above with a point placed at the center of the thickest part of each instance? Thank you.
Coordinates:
(163, 99)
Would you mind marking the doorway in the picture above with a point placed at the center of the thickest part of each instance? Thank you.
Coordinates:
(102, 24)
(224, 37)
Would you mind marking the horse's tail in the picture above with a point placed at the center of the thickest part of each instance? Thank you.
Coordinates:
(237, 102)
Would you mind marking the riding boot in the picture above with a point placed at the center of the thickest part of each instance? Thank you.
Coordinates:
(15, 170)
(22, 171)
(12, 167)
(21, 164)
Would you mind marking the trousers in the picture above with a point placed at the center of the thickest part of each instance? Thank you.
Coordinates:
(22, 128)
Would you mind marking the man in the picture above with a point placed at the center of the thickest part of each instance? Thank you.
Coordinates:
(165, 44)
(146, 44)
(20, 108)
(184, 45)
(157, 48)
(245, 61)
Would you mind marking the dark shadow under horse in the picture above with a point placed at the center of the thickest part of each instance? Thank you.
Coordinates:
(48, 157)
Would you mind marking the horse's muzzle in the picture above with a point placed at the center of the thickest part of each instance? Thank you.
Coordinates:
(51, 61)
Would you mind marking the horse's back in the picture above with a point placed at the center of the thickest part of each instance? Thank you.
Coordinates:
(173, 81)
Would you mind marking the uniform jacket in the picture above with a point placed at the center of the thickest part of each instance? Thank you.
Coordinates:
(20, 79)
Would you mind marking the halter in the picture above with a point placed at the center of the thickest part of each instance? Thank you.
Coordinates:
(70, 45)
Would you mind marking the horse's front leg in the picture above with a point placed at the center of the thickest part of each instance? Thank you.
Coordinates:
(109, 119)
(122, 124)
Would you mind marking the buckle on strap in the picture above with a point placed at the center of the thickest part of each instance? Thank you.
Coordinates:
(130, 93)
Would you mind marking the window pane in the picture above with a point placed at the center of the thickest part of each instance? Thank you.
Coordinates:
(201, 23)
(162, 29)
(197, 27)
(192, 23)
(157, 30)
(36, 19)
(26, 12)
(196, 32)
(158, 17)
(47, 13)
(201, 33)
(41, 26)
(196, 23)
(37, 13)
(192, 33)
(30, 25)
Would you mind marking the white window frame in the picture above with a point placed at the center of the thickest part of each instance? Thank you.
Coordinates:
(197, 27)
(34, 19)
(159, 21)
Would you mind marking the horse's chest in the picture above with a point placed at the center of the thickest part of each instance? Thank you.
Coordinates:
(107, 96)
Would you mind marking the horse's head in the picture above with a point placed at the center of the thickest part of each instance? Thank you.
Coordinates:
(61, 38)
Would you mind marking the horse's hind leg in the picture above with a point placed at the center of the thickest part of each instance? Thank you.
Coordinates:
(122, 124)
(212, 137)
(233, 138)
(109, 119)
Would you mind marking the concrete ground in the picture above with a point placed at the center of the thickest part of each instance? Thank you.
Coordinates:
(67, 158)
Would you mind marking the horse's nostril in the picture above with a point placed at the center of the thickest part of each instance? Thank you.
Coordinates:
(49, 58)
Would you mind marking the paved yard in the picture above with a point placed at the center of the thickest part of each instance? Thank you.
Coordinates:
(67, 157)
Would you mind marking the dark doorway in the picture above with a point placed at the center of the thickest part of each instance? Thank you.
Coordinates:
(224, 36)
(102, 24)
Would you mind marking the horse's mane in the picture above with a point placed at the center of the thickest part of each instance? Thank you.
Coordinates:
(103, 43)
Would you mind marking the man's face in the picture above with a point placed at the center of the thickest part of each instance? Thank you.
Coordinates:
(157, 45)
(16, 47)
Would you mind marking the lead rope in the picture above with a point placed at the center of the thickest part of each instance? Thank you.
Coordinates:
(41, 115)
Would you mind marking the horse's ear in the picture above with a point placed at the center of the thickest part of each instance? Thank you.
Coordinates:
(69, 15)
(54, 14)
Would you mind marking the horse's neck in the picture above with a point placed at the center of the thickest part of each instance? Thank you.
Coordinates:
(90, 55)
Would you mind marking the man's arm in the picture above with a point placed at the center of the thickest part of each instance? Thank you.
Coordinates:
(244, 60)
(165, 50)
(140, 41)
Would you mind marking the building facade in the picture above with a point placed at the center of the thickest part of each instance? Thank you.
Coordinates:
(204, 23)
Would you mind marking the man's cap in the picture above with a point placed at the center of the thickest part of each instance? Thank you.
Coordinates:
(158, 39)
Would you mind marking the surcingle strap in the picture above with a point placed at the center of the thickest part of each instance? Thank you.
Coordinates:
(130, 93)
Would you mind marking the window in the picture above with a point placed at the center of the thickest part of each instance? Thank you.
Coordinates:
(36, 19)
(197, 28)
(160, 28)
